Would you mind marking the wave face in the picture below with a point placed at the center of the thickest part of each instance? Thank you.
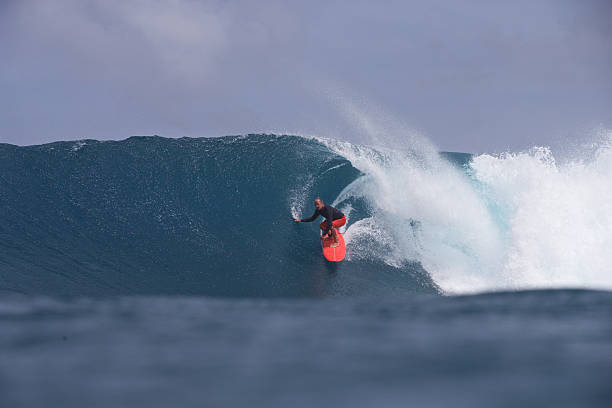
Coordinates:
(150, 215)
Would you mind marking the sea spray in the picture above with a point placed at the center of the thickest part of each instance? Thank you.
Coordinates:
(512, 221)
(423, 209)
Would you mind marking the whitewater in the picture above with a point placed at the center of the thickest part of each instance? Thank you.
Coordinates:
(515, 220)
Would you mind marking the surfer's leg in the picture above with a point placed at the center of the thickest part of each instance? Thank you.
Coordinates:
(339, 222)
(336, 224)
(323, 225)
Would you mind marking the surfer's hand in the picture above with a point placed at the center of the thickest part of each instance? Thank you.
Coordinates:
(296, 219)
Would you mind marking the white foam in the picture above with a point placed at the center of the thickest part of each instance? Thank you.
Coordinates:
(521, 220)
(78, 145)
(558, 216)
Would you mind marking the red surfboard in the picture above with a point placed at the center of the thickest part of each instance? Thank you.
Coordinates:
(336, 254)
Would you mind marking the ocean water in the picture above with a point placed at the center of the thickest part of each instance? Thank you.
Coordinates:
(154, 271)
(533, 348)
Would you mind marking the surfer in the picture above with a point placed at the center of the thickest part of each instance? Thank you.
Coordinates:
(333, 219)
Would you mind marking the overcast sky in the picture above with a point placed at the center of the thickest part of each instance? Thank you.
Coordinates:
(470, 75)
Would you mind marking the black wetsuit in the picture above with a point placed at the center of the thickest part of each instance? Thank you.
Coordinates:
(329, 213)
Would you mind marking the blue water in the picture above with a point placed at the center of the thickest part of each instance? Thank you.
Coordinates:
(542, 348)
(150, 215)
(168, 272)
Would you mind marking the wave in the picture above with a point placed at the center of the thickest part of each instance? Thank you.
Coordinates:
(150, 215)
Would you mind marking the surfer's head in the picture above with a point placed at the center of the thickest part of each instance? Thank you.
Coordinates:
(319, 203)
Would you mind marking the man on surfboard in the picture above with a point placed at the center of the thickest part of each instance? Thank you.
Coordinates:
(333, 219)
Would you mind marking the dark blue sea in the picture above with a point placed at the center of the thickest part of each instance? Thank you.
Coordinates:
(169, 272)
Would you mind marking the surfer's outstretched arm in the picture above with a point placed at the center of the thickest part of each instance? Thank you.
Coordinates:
(311, 219)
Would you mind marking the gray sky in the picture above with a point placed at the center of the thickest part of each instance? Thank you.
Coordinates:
(470, 75)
